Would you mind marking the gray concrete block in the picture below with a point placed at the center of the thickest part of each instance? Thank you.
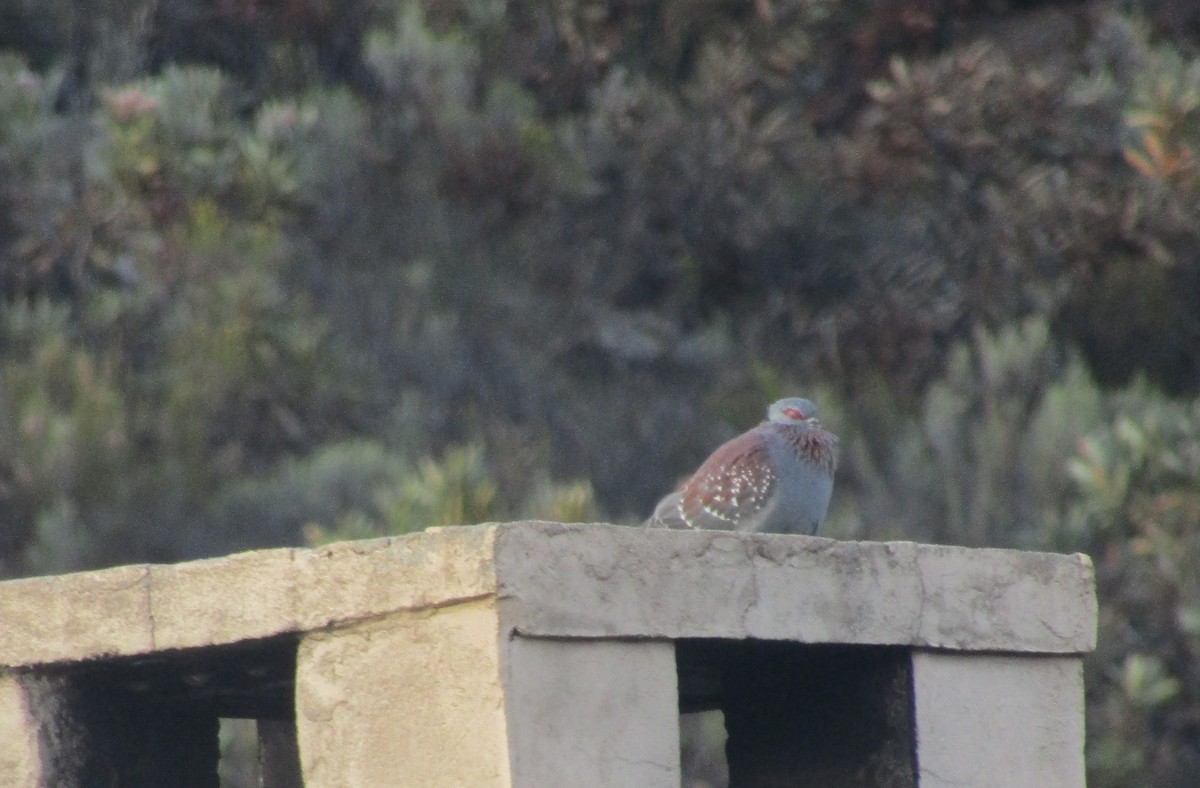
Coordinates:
(573, 581)
(534, 653)
(77, 616)
(592, 712)
(437, 698)
(598, 581)
(998, 721)
(414, 698)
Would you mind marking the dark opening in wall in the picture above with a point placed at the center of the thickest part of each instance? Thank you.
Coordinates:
(796, 714)
(154, 721)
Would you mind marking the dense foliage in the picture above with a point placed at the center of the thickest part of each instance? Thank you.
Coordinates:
(287, 270)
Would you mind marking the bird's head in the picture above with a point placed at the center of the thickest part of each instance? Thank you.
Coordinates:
(793, 410)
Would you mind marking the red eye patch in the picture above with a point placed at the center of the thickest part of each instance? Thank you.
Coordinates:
(794, 413)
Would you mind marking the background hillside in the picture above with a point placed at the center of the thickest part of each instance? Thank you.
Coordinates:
(276, 271)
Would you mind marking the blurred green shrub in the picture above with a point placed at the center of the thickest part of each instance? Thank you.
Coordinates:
(151, 349)
(1165, 120)
(1136, 512)
(65, 444)
(454, 490)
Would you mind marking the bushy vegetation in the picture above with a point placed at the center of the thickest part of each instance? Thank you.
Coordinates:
(281, 271)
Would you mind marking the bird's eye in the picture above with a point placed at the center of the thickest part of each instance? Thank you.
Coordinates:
(794, 414)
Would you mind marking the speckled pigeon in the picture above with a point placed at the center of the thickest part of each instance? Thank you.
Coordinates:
(775, 478)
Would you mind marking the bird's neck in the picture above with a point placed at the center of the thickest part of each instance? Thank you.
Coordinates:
(812, 444)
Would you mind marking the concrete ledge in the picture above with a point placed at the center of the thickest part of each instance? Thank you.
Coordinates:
(527, 654)
(554, 580)
(595, 581)
(133, 610)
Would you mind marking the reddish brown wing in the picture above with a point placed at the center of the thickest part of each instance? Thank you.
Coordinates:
(732, 484)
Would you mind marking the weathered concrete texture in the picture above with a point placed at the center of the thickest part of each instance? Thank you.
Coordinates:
(531, 654)
(998, 721)
(438, 698)
(20, 757)
(572, 581)
(588, 712)
(410, 699)
(139, 609)
(78, 616)
(590, 581)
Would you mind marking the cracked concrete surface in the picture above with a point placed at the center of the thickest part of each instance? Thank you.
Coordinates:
(489, 628)
(593, 581)
(557, 580)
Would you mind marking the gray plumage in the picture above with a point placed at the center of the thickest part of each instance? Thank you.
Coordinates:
(776, 478)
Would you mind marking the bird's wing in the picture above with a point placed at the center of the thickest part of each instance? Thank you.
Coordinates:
(667, 514)
(733, 484)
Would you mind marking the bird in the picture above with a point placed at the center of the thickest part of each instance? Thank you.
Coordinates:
(775, 478)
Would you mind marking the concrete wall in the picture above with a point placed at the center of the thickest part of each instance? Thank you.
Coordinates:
(533, 654)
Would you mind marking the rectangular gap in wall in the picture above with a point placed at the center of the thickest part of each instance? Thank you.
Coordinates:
(798, 713)
(239, 753)
(702, 749)
(155, 719)
(259, 754)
